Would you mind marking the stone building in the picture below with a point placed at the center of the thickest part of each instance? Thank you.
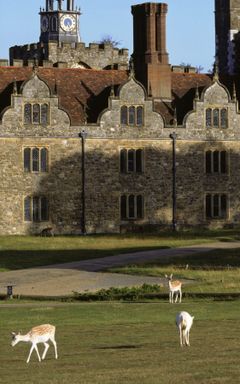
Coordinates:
(90, 150)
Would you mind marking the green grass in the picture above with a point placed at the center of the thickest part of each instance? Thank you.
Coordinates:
(18, 252)
(120, 343)
(216, 271)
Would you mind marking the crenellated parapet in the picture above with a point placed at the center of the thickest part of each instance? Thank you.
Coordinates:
(73, 55)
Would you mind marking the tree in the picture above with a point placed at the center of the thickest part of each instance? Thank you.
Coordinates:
(107, 39)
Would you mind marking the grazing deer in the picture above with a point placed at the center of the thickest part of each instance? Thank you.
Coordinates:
(175, 286)
(39, 334)
(184, 323)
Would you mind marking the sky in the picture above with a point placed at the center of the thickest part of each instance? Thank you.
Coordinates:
(190, 26)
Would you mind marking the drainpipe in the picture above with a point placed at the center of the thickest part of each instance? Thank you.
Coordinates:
(83, 136)
(173, 136)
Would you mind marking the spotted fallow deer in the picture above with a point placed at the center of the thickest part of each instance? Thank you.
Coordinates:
(184, 323)
(175, 286)
(39, 334)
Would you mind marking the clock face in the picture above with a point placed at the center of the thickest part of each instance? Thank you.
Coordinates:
(68, 22)
(44, 24)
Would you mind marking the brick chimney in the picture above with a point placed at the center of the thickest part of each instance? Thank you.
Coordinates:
(149, 49)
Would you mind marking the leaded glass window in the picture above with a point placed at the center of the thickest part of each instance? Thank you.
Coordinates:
(132, 207)
(44, 114)
(224, 118)
(44, 160)
(124, 115)
(27, 159)
(131, 115)
(216, 117)
(208, 117)
(35, 160)
(27, 209)
(216, 206)
(27, 114)
(139, 115)
(36, 114)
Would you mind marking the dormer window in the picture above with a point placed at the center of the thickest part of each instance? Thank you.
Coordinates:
(216, 118)
(36, 114)
(132, 115)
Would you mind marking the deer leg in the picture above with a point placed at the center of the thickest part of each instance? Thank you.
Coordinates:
(55, 347)
(34, 346)
(176, 297)
(45, 350)
(180, 296)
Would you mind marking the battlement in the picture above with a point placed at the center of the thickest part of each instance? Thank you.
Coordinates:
(95, 56)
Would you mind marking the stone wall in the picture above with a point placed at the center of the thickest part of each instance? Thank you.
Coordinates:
(95, 56)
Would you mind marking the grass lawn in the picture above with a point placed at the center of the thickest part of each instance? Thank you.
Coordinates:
(216, 271)
(18, 252)
(121, 343)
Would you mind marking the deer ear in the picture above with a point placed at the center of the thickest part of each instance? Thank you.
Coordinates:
(166, 276)
(13, 333)
(171, 276)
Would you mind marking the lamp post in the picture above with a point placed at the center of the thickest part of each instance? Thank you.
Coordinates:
(173, 136)
(83, 136)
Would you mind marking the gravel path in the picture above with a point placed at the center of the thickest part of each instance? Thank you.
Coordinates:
(89, 275)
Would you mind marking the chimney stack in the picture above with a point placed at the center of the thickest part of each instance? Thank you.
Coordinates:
(150, 56)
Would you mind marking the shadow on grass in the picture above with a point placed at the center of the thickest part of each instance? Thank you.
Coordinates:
(21, 259)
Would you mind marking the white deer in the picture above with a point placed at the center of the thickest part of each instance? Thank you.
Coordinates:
(39, 334)
(184, 323)
(175, 286)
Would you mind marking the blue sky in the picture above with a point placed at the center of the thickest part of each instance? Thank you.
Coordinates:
(190, 26)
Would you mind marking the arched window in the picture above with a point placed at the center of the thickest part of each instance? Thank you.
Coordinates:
(44, 160)
(216, 117)
(27, 114)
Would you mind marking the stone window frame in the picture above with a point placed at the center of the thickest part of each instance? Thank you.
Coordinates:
(34, 119)
(214, 117)
(35, 209)
(38, 165)
(216, 162)
(132, 206)
(216, 205)
(131, 160)
(131, 119)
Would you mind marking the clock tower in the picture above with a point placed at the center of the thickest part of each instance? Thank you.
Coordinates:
(58, 24)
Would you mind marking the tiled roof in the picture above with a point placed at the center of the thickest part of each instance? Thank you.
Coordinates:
(78, 89)
(87, 89)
